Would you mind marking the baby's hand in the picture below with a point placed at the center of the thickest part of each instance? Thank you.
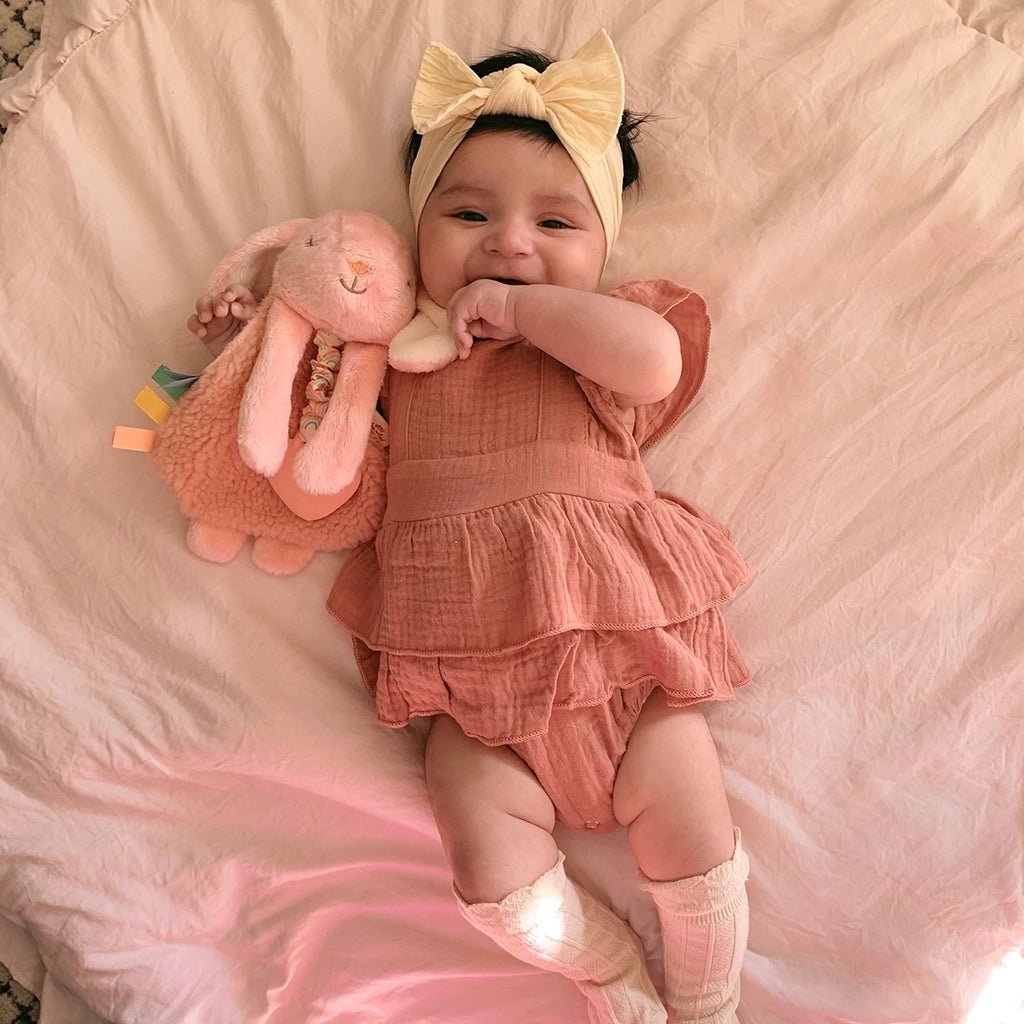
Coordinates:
(483, 309)
(219, 315)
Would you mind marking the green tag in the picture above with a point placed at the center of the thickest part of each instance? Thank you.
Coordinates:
(174, 384)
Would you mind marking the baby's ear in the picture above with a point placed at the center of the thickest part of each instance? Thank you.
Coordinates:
(252, 263)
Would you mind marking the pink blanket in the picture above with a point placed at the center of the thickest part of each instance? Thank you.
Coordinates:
(200, 820)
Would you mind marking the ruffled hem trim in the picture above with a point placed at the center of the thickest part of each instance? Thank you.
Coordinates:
(676, 699)
(502, 700)
(572, 627)
(455, 587)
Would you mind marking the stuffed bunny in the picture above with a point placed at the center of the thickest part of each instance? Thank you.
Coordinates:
(346, 273)
(233, 451)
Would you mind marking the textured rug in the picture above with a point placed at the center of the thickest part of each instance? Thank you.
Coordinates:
(16, 1005)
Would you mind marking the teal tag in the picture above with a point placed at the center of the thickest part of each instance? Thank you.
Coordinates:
(174, 384)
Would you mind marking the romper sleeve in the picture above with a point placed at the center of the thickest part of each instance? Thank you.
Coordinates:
(687, 312)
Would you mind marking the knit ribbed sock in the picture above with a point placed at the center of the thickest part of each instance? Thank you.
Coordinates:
(704, 924)
(557, 925)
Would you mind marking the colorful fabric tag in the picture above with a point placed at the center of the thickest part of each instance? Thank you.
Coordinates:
(173, 383)
(133, 439)
(152, 405)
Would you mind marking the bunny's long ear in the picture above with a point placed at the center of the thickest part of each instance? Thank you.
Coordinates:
(267, 400)
(334, 454)
(252, 263)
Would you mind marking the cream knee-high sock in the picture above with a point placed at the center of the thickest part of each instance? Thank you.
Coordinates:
(557, 925)
(704, 923)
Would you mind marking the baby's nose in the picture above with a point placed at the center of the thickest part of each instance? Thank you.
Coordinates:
(358, 267)
(510, 238)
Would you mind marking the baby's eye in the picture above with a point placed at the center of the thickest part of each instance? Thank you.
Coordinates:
(470, 215)
(553, 222)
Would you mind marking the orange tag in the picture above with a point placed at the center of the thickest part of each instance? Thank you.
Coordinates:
(133, 439)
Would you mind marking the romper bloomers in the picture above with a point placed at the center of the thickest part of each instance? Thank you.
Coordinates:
(527, 579)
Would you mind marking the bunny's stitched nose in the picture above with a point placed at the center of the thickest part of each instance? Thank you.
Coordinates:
(359, 269)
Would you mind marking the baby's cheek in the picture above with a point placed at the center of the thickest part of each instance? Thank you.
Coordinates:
(584, 276)
(437, 288)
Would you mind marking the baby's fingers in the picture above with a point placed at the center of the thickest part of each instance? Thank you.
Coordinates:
(196, 327)
(458, 327)
(239, 301)
(204, 309)
(243, 309)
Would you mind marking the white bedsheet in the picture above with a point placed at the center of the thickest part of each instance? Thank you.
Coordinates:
(200, 820)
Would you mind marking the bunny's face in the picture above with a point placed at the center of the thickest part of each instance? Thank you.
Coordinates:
(350, 273)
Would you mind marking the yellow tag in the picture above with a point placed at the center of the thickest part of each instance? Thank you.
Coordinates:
(133, 439)
(152, 405)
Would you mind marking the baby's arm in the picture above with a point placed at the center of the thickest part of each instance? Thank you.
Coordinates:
(618, 344)
(220, 315)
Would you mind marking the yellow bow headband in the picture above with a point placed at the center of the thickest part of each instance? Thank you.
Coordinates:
(581, 98)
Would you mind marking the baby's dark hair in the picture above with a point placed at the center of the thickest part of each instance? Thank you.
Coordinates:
(629, 127)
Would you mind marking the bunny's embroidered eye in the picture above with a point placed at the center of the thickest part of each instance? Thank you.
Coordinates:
(309, 241)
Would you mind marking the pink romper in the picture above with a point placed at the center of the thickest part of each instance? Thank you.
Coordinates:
(527, 579)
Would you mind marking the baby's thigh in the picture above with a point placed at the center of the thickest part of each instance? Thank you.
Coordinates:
(470, 781)
(494, 817)
(670, 795)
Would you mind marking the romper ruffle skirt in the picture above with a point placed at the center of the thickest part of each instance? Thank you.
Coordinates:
(528, 580)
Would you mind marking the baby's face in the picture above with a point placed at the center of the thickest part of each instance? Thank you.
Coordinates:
(509, 208)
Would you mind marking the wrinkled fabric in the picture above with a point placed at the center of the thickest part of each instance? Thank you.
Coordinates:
(201, 820)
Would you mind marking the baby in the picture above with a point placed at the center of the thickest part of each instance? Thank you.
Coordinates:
(529, 592)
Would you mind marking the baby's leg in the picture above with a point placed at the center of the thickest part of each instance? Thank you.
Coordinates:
(495, 822)
(670, 795)
(494, 818)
